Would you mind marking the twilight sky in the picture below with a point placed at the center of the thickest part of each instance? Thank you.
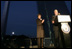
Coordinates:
(22, 17)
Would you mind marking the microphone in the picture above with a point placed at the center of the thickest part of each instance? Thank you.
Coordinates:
(58, 13)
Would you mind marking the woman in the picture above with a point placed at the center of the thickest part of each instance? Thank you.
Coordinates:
(40, 31)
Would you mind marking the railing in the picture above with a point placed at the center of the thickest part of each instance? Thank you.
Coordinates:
(21, 42)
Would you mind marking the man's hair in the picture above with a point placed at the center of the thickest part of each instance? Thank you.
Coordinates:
(55, 10)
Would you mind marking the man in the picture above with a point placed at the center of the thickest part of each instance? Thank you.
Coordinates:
(40, 31)
(56, 28)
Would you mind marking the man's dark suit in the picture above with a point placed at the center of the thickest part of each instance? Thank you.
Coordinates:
(56, 31)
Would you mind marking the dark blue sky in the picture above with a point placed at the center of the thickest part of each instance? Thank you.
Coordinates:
(22, 17)
(68, 3)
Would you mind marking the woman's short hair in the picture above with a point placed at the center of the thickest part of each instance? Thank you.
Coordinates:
(38, 14)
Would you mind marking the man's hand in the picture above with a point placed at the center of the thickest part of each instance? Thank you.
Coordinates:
(43, 21)
(52, 21)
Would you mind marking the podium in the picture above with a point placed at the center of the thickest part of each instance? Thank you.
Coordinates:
(65, 29)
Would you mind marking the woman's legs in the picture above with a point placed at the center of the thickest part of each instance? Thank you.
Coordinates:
(38, 42)
(42, 43)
